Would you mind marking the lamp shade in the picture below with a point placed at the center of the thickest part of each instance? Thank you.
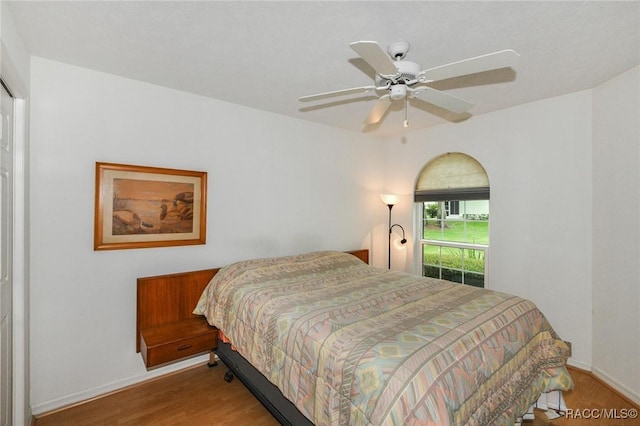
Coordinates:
(389, 199)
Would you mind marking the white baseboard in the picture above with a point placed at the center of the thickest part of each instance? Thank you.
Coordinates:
(616, 385)
(76, 398)
(624, 390)
(579, 364)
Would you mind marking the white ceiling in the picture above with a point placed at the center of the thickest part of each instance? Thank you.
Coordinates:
(266, 54)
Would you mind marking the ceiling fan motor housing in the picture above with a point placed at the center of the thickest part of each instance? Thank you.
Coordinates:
(398, 85)
(408, 70)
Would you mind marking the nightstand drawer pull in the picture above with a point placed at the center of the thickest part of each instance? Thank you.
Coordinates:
(184, 347)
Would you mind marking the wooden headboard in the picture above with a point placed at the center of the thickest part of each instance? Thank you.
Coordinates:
(164, 299)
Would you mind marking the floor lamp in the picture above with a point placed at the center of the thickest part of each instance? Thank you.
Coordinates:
(391, 200)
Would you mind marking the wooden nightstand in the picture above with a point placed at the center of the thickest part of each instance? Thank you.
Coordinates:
(166, 328)
(177, 340)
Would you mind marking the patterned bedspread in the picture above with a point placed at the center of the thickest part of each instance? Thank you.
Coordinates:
(350, 344)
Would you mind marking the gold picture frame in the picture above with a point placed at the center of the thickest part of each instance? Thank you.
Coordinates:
(142, 207)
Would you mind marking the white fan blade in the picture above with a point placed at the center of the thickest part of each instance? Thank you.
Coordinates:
(490, 61)
(373, 54)
(337, 93)
(443, 100)
(375, 115)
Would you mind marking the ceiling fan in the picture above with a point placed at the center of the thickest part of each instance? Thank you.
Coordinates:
(397, 79)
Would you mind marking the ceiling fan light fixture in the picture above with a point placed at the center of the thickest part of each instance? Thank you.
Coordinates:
(397, 91)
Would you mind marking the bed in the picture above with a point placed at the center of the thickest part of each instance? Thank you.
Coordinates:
(348, 344)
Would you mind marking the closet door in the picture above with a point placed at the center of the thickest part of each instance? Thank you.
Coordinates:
(6, 244)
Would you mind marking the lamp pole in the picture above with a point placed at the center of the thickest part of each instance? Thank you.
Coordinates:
(390, 201)
(389, 245)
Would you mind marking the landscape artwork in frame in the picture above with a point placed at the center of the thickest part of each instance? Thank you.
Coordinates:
(140, 207)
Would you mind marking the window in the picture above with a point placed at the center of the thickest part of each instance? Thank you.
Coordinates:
(452, 208)
(453, 196)
(454, 245)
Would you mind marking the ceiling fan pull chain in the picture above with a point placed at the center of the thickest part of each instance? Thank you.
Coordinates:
(406, 113)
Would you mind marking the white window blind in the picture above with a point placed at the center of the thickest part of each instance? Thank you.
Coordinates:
(452, 176)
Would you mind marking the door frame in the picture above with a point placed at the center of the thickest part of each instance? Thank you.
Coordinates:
(20, 292)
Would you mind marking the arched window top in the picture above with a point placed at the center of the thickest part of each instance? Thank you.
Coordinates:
(452, 176)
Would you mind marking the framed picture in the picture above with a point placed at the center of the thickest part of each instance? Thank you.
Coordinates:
(139, 207)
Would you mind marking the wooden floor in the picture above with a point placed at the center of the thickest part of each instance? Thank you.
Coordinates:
(589, 393)
(200, 396)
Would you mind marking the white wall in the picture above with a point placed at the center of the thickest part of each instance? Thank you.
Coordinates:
(277, 186)
(538, 158)
(616, 232)
(326, 184)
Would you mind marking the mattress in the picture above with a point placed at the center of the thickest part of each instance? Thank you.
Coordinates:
(350, 344)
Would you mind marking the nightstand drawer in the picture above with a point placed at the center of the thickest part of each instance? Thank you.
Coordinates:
(180, 349)
(171, 342)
